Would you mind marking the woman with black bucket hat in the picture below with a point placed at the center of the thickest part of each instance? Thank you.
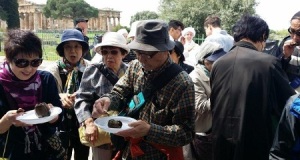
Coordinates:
(68, 72)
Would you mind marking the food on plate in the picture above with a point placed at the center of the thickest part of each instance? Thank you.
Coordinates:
(42, 110)
(114, 123)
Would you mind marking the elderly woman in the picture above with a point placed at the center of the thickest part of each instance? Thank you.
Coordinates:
(22, 86)
(68, 72)
(190, 47)
(178, 57)
(95, 83)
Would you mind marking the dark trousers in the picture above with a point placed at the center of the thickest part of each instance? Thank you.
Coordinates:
(202, 147)
(71, 141)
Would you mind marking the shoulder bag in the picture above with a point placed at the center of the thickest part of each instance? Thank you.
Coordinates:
(103, 137)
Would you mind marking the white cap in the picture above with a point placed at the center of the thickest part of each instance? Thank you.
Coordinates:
(189, 29)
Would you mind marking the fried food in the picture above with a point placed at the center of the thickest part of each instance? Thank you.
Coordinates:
(114, 123)
(42, 110)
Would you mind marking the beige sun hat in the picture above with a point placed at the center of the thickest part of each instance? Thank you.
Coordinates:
(112, 39)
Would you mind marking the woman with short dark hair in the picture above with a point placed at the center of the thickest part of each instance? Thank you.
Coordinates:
(22, 86)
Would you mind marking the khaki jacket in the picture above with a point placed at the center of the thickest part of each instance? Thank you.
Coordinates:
(203, 119)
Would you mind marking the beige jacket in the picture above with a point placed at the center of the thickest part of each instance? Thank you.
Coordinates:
(54, 70)
(203, 120)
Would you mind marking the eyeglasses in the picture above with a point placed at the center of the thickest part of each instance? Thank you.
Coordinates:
(292, 31)
(105, 52)
(69, 47)
(147, 54)
(22, 63)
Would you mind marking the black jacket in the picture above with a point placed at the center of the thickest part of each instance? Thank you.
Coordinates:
(249, 91)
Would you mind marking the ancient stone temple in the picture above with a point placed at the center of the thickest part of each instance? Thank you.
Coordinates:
(32, 18)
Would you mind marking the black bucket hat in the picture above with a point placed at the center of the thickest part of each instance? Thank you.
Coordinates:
(152, 35)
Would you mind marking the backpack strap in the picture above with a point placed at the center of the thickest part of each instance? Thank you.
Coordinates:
(138, 101)
(113, 79)
(162, 79)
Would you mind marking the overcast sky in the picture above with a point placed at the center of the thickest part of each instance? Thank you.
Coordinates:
(276, 13)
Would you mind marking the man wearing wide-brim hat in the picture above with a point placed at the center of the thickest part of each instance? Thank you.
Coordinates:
(165, 122)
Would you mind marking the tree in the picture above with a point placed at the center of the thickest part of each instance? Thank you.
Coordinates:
(3, 14)
(116, 28)
(144, 15)
(59, 9)
(193, 12)
(9, 12)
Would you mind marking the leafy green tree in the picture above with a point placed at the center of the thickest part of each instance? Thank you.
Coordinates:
(9, 12)
(3, 14)
(193, 12)
(278, 35)
(116, 28)
(144, 15)
(59, 9)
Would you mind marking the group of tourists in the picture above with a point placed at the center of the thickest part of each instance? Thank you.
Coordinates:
(221, 100)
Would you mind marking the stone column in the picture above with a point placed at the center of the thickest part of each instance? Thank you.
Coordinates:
(114, 20)
(21, 20)
(40, 19)
(119, 20)
(108, 24)
(26, 19)
(35, 21)
(31, 21)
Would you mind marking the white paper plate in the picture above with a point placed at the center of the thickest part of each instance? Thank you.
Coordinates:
(30, 117)
(103, 121)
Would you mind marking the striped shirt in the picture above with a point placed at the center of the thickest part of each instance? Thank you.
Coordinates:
(170, 112)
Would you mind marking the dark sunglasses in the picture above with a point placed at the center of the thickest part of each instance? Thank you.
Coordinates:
(292, 31)
(106, 52)
(147, 54)
(22, 63)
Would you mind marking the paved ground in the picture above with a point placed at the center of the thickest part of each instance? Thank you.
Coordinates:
(44, 64)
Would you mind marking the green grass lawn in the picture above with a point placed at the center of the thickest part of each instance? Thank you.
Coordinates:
(49, 53)
(50, 40)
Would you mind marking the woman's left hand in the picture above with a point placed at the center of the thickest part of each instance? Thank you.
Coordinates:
(67, 100)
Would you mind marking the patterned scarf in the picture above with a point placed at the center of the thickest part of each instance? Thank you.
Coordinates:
(72, 83)
(206, 71)
(21, 94)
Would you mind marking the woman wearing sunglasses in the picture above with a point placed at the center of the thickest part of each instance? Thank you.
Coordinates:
(68, 72)
(95, 83)
(22, 86)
